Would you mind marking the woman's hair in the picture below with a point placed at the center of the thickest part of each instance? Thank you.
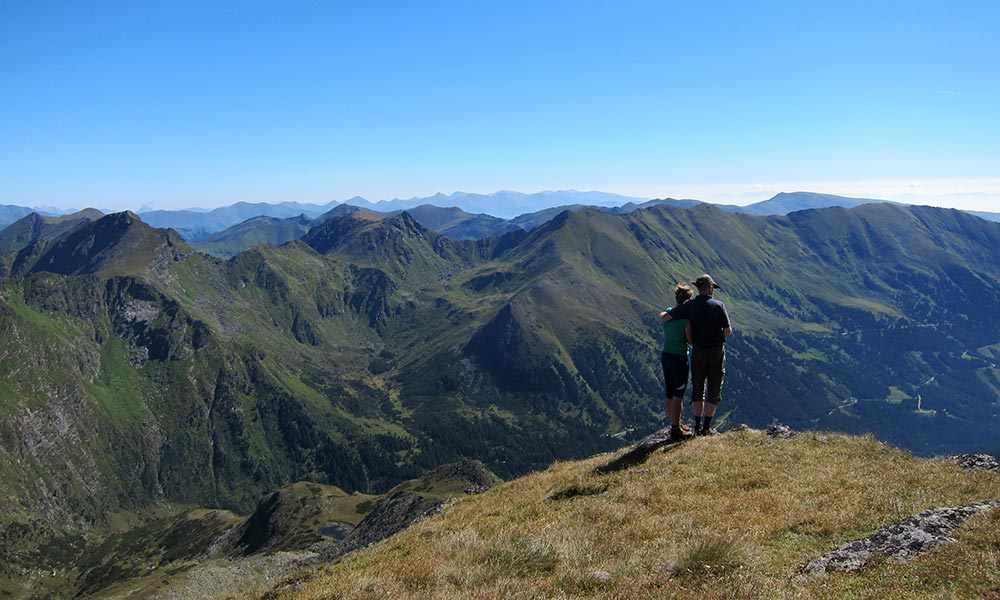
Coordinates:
(683, 293)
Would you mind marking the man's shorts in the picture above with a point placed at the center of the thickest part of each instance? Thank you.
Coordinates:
(708, 370)
(675, 373)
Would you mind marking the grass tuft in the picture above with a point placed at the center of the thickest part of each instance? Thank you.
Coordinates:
(711, 557)
(522, 556)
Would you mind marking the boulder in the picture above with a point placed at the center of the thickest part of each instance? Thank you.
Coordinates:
(899, 542)
(781, 432)
(977, 462)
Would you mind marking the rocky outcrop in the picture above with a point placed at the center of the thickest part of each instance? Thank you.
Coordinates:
(403, 508)
(977, 462)
(637, 453)
(781, 432)
(392, 515)
(899, 542)
(473, 472)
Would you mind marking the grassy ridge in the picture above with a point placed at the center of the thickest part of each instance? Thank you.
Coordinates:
(730, 516)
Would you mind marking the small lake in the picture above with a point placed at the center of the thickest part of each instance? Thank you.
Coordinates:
(337, 530)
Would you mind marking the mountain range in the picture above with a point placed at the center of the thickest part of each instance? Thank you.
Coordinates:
(498, 207)
(138, 372)
(197, 223)
(490, 210)
(458, 224)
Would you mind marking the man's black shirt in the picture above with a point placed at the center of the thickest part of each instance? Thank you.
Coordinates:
(708, 318)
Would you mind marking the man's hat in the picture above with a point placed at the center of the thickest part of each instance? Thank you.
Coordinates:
(706, 281)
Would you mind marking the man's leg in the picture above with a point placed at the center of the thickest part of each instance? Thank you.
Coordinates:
(716, 372)
(699, 373)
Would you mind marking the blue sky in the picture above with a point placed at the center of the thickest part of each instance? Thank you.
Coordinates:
(177, 104)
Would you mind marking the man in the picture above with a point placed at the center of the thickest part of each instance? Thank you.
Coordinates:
(709, 329)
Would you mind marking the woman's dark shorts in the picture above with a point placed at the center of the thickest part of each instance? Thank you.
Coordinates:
(675, 373)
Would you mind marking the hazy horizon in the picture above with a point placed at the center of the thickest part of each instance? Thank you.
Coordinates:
(987, 200)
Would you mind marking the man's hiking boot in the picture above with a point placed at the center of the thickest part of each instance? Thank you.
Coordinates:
(686, 431)
(707, 431)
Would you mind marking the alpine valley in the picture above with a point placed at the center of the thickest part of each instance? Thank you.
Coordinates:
(142, 378)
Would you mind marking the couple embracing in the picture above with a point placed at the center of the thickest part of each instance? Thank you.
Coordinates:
(701, 323)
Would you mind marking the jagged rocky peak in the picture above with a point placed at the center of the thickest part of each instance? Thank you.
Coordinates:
(404, 222)
(399, 244)
(332, 233)
(397, 234)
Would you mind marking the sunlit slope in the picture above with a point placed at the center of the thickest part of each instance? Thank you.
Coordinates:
(737, 515)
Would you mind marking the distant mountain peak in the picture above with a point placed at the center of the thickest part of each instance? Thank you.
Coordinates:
(36, 227)
(332, 233)
(408, 222)
(116, 244)
(126, 217)
(787, 202)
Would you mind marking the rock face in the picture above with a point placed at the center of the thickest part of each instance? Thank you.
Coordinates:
(900, 542)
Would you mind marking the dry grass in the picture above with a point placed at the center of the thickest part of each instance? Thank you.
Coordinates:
(731, 516)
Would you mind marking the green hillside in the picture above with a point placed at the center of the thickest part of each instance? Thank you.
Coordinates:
(271, 231)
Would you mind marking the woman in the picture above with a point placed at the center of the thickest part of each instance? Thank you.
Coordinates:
(674, 359)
